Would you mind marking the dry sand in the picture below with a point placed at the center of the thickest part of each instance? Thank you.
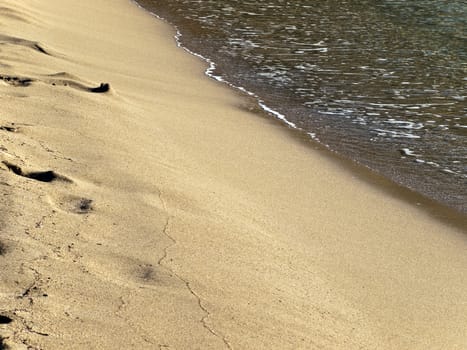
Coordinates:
(163, 214)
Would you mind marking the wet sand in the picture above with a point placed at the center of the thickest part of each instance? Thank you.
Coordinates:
(158, 212)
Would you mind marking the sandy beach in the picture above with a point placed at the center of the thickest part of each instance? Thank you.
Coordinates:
(146, 206)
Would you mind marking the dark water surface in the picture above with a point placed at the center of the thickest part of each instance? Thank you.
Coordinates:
(382, 82)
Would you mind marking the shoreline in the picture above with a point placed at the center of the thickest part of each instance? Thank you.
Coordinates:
(160, 212)
(438, 200)
(437, 209)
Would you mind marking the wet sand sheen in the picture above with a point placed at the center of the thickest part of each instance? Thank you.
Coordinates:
(170, 219)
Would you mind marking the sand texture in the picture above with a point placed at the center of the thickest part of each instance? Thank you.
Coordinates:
(161, 212)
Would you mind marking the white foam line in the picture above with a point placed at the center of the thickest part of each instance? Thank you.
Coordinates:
(277, 115)
(210, 73)
(212, 68)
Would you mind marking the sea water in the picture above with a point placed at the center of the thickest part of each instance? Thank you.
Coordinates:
(382, 82)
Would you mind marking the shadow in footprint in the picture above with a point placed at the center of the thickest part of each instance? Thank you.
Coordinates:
(3, 346)
(40, 49)
(147, 272)
(2, 248)
(5, 319)
(104, 87)
(16, 81)
(9, 128)
(84, 206)
(43, 176)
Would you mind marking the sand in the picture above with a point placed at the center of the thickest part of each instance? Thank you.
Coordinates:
(165, 213)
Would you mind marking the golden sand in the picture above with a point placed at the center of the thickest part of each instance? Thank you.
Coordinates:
(162, 214)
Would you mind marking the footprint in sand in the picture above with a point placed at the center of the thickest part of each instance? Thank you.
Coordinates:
(62, 78)
(24, 82)
(6, 39)
(65, 79)
(42, 176)
(74, 204)
(19, 81)
(68, 203)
